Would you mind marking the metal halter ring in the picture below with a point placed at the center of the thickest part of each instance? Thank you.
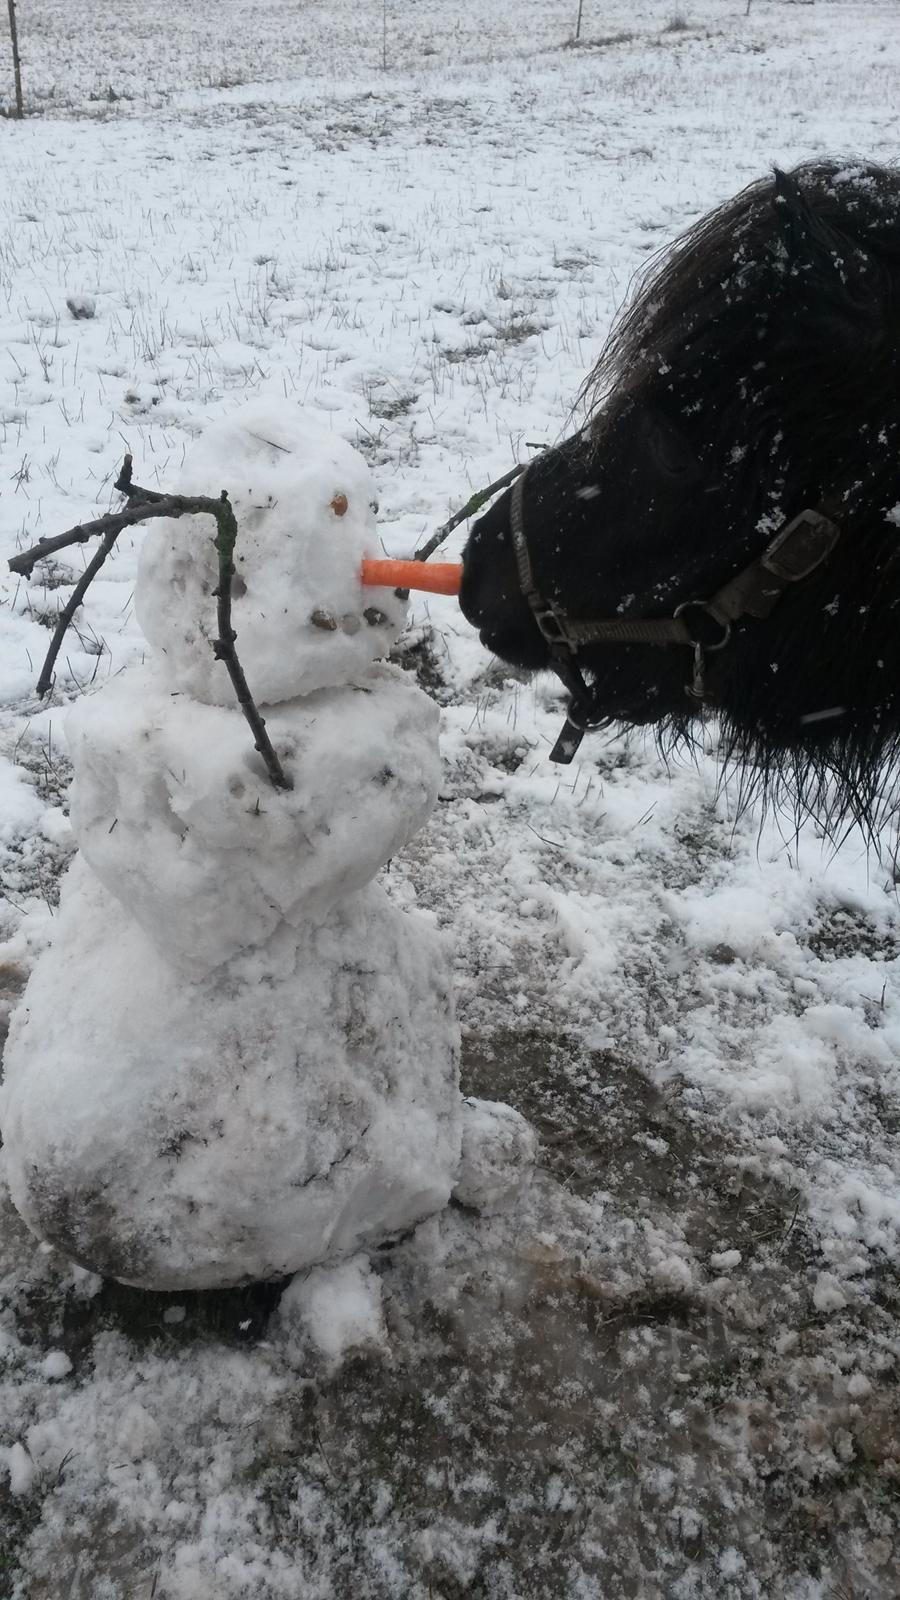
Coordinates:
(721, 622)
(579, 716)
(696, 689)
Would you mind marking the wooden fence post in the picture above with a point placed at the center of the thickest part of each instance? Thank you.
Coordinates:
(17, 65)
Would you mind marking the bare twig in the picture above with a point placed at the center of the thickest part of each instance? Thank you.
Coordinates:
(133, 494)
(224, 646)
(144, 504)
(69, 609)
(113, 522)
(110, 527)
(474, 503)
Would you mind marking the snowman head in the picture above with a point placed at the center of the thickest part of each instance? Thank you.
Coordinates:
(305, 506)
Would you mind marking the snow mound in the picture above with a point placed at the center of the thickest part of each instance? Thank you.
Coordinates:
(304, 501)
(499, 1149)
(339, 1307)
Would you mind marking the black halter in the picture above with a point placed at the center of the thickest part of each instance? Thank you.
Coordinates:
(798, 548)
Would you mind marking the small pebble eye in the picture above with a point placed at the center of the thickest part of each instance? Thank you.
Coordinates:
(320, 618)
(340, 504)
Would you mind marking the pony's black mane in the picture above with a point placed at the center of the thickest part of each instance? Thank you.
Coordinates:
(831, 231)
(755, 372)
(706, 312)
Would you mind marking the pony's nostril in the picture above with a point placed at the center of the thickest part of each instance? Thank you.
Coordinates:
(468, 596)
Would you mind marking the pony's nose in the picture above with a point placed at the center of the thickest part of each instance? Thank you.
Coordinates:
(489, 596)
(469, 590)
(486, 584)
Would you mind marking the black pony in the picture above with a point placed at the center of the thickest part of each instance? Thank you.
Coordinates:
(725, 530)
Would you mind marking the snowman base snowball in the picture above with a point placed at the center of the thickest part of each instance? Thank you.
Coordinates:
(297, 1104)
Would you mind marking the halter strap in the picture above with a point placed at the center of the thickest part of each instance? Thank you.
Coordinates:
(795, 552)
(555, 629)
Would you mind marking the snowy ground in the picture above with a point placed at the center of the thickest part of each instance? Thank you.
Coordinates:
(674, 1371)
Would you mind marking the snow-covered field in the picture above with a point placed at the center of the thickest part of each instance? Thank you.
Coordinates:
(673, 1372)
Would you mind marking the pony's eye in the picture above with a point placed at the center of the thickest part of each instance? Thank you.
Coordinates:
(668, 448)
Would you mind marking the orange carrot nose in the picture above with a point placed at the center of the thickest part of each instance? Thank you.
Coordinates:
(437, 577)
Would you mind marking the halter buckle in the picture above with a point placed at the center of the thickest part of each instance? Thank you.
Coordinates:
(801, 546)
(553, 625)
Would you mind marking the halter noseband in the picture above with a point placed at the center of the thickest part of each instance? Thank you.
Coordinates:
(795, 552)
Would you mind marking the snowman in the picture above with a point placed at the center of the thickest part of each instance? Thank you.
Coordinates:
(238, 1059)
